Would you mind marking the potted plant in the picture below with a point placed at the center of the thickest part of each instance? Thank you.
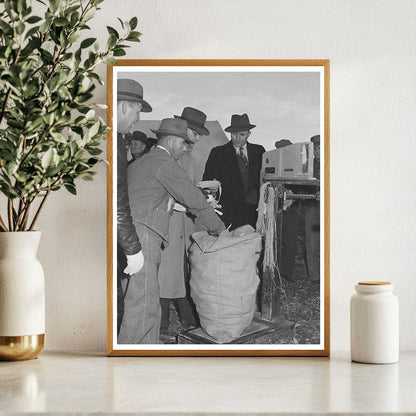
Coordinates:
(50, 135)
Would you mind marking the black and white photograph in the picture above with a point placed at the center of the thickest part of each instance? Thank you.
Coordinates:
(218, 208)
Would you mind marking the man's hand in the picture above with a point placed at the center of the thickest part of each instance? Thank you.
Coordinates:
(134, 263)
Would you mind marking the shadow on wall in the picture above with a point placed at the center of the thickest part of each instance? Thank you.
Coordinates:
(201, 149)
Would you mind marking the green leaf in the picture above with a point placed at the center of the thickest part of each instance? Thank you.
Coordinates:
(61, 21)
(54, 4)
(60, 138)
(86, 176)
(121, 22)
(10, 8)
(52, 171)
(31, 31)
(21, 176)
(111, 30)
(31, 90)
(94, 151)
(47, 158)
(119, 52)
(20, 27)
(110, 60)
(74, 18)
(133, 23)
(94, 130)
(73, 38)
(53, 83)
(49, 118)
(7, 29)
(90, 115)
(21, 6)
(67, 56)
(11, 168)
(112, 41)
(70, 188)
(33, 19)
(133, 38)
(87, 42)
(34, 125)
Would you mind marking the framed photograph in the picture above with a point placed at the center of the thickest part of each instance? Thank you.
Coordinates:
(218, 208)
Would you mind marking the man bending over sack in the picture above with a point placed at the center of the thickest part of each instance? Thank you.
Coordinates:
(155, 182)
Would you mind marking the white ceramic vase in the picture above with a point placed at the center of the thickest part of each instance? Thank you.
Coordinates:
(22, 296)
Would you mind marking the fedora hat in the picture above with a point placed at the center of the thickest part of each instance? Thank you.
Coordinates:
(316, 139)
(239, 123)
(195, 119)
(131, 90)
(282, 143)
(139, 136)
(175, 127)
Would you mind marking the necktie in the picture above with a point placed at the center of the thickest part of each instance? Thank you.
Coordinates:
(243, 156)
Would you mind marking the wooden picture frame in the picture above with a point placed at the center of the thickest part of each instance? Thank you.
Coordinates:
(285, 99)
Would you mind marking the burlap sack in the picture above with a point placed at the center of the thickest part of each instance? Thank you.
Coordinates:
(224, 280)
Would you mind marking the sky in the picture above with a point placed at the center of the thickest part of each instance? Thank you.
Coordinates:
(280, 104)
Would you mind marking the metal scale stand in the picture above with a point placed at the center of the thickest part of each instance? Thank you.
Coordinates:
(285, 188)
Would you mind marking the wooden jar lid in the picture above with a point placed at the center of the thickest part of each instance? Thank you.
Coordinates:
(374, 283)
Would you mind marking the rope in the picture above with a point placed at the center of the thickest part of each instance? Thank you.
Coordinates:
(266, 226)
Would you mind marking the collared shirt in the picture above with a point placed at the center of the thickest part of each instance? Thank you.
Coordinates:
(237, 150)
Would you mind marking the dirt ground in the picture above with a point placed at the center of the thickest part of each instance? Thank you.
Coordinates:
(300, 304)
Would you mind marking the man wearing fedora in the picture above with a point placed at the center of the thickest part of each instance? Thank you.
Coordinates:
(138, 145)
(129, 255)
(155, 182)
(237, 166)
(173, 270)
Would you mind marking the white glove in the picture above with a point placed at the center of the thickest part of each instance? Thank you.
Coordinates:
(134, 263)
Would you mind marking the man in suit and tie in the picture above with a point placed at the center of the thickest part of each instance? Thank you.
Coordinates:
(237, 166)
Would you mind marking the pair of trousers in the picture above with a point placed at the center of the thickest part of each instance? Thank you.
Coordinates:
(142, 312)
(312, 239)
(184, 308)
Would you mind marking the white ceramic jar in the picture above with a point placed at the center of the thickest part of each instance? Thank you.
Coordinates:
(374, 323)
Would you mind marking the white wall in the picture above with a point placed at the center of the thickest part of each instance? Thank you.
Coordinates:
(371, 45)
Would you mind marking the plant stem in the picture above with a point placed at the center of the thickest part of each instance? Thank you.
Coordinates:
(39, 209)
(26, 216)
(19, 215)
(10, 213)
(2, 225)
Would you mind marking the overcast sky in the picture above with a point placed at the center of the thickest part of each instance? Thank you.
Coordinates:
(280, 104)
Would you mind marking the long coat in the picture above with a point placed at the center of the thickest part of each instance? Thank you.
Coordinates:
(155, 181)
(238, 207)
(181, 226)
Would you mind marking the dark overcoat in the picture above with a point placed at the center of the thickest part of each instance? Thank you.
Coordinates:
(238, 206)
